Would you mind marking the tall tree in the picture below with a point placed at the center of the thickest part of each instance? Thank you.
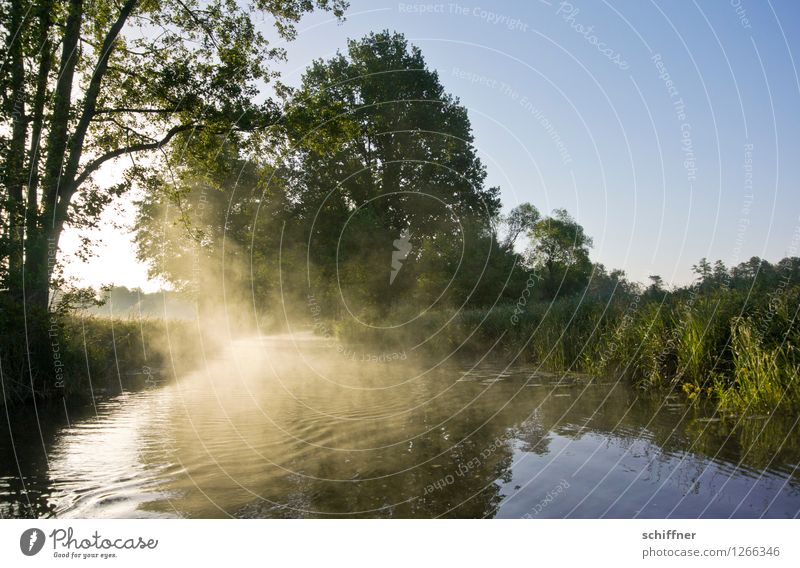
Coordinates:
(383, 153)
(85, 84)
(373, 198)
(560, 251)
(93, 86)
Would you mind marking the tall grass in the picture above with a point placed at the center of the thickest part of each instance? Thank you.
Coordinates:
(764, 379)
(105, 354)
(94, 355)
(740, 351)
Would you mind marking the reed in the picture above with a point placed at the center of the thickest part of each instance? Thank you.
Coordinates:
(735, 349)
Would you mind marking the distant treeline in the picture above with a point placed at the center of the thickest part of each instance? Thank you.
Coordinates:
(123, 302)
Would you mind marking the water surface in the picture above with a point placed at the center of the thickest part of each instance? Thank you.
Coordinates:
(291, 427)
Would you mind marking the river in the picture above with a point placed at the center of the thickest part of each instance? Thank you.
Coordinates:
(291, 427)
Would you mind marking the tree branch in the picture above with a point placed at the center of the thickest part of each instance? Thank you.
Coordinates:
(93, 91)
(95, 164)
(200, 23)
(135, 110)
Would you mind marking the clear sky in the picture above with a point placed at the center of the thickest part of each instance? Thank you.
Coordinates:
(670, 130)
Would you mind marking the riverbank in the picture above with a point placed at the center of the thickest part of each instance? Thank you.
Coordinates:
(737, 348)
(93, 356)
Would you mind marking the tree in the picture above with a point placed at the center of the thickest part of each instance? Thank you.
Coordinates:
(520, 220)
(560, 251)
(372, 151)
(90, 85)
(193, 228)
(656, 284)
(703, 269)
(85, 84)
(610, 286)
(656, 290)
(377, 149)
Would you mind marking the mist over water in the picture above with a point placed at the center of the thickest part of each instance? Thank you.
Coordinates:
(287, 426)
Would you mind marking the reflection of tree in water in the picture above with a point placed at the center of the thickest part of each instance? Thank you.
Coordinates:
(533, 436)
(476, 464)
(27, 497)
(460, 483)
(675, 431)
(448, 465)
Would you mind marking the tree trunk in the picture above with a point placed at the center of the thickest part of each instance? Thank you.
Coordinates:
(37, 116)
(39, 251)
(14, 174)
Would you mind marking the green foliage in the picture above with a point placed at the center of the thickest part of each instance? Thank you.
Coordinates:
(725, 344)
(765, 379)
(371, 148)
(560, 251)
(381, 151)
(519, 221)
(84, 85)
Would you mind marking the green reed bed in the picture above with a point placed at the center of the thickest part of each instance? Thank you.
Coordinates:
(89, 356)
(733, 347)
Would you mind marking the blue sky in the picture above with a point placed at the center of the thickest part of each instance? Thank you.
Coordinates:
(668, 129)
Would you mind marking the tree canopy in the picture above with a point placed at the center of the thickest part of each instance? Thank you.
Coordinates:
(85, 84)
(372, 150)
(560, 251)
(87, 87)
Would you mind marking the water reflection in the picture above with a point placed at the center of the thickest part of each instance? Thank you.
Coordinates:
(283, 428)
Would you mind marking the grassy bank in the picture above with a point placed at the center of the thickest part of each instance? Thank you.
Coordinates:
(737, 347)
(97, 356)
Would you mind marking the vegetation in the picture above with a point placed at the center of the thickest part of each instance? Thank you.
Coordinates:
(85, 85)
(92, 356)
(370, 214)
(358, 198)
(370, 148)
(732, 336)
